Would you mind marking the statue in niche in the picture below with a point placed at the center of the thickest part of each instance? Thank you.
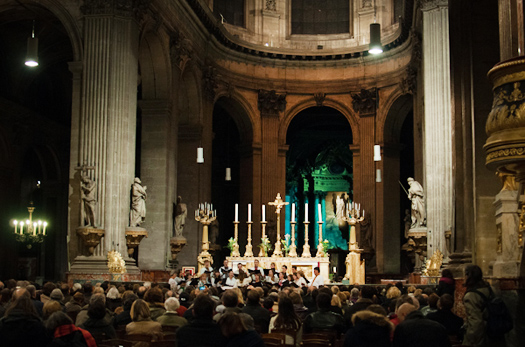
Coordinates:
(339, 203)
(416, 195)
(270, 5)
(181, 212)
(88, 199)
(137, 214)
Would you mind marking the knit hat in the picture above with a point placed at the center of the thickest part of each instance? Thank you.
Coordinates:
(57, 295)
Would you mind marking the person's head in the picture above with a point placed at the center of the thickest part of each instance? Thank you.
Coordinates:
(377, 309)
(323, 301)
(316, 271)
(271, 273)
(56, 294)
(375, 319)
(230, 299)
(368, 292)
(268, 303)
(21, 302)
(447, 273)
(231, 324)
(78, 298)
(225, 263)
(97, 308)
(404, 310)
(154, 295)
(57, 319)
(286, 317)
(239, 266)
(393, 292)
(204, 277)
(411, 289)
(88, 288)
(284, 268)
(253, 297)
(203, 307)
(295, 298)
(354, 294)
(272, 266)
(342, 298)
(140, 311)
(446, 302)
(291, 278)
(230, 274)
(207, 263)
(257, 277)
(433, 300)
(256, 262)
(335, 301)
(49, 308)
(113, 293)
(31, 290)
(294, 268)
(281, 276)
(21, 292)
(5, 295)
(47, 288)
(474, 276)
(171, 304)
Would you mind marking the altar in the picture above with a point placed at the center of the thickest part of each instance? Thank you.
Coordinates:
(307, 265)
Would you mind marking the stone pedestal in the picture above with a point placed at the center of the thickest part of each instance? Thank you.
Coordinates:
(91, 237)
(507, 224)
(133, 238)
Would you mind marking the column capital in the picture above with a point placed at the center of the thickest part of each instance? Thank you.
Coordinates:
(125, 8)
(271, 103)
(365, 102)
(428, 5)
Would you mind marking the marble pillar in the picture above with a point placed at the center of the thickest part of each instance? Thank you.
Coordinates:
(507, 223)
(106, 132)
(157, 168)
(438, 125)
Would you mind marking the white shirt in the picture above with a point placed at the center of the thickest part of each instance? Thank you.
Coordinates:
(318, 281)
(273, 280)
(230, 283)
(300, 282)
(209, 269)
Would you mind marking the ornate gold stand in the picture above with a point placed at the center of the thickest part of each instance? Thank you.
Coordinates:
(91, 237)
(355, 267)
(133, 238)
(320, 248)
(205, 217)
(278, 203)
(235, 251)
(262, 251)
(293, 248)
(306, 246)
(249, 248)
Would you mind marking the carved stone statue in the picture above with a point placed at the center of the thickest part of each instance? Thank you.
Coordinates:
(88, 199)
(416, 195)
(137, 214)
(181, 212)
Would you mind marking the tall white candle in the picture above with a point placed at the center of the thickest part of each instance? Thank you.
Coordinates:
(293, 212)
(306, 212)
(236, 212)
(263, 213)
(319, 212)
(249, 212)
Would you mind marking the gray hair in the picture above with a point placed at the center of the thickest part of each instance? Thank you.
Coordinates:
(97, 297)
(171, 304)
(113, 293)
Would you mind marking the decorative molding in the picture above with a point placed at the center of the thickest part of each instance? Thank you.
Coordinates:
(269, 102)
(209, 82)
(127, 8)
(319, 98)
(365, 101)
(409, 83)
(270, 5)
(427, 5)
(180, 50)
(506, 154)
(366, 3)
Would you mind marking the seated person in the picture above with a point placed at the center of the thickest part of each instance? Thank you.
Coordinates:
(261, 316)
(257, 268)
(318, 278)
(284, 268)
(171, 317)
(224, 269)
(242, 276)
(282, 281)
(203, 281)
(257, 281)
(323, 318)
(299, 280)
(206, 268)
(445, 317)
(216, 279)
(230, 282)
(271, 278)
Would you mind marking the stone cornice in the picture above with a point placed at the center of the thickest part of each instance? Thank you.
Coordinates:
(125, 8)
(428, 5)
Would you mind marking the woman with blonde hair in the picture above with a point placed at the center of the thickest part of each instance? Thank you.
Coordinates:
(141, 321)
(335, 305)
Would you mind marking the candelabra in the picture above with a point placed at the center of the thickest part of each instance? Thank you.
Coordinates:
(278, 203)
(30, 232)
(205, 215)
(262, 251)
(306, 246)
(355, 267)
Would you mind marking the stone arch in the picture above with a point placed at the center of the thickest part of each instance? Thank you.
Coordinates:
(243, 115)
(335, 104)
(68, 21)
(190, 96)
(154, 63)
(397, 108)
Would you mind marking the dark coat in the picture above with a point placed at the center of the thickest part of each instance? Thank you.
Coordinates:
(417, 331)
(449, 320)
(22, 329)
(248, 338)
(324, 320)
(200, 333)
(97, 327)
(360, 305)
(446, 286)
(370, 330)
(261, 316)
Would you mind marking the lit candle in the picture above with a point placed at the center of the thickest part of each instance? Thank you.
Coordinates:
(263, 213)
(34, 228)
(16, 226)
(21, 227)
(363, 213)
(306, 212)
(39, 226)
(319, 212)
(45, 225)
(293, 212)
(236, 212)
(249, 212)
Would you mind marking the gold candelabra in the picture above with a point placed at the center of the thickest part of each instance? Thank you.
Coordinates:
(306, 246)
(205, 215)
(293, 248)
(278, 203)
(320, 248)
(355, 267)
(249, 247)
(235, 251)
(30, 232)
(262, 251)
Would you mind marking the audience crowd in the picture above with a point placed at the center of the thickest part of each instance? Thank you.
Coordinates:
(211, 309)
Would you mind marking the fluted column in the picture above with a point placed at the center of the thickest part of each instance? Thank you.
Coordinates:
(107, 124)
(438, 174)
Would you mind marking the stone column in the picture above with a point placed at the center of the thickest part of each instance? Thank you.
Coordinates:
(157, 170)
(438, 126)
(507, 223)
(272, 167)
(510, 28)
(107, 126)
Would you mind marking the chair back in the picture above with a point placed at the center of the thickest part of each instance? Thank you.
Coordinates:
(169, 328)
(274, 339)
(288, 332)
(139, 337)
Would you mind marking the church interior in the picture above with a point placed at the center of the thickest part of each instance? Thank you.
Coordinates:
(231, 103)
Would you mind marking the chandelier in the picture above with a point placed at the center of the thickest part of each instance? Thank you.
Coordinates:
(30, 231)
